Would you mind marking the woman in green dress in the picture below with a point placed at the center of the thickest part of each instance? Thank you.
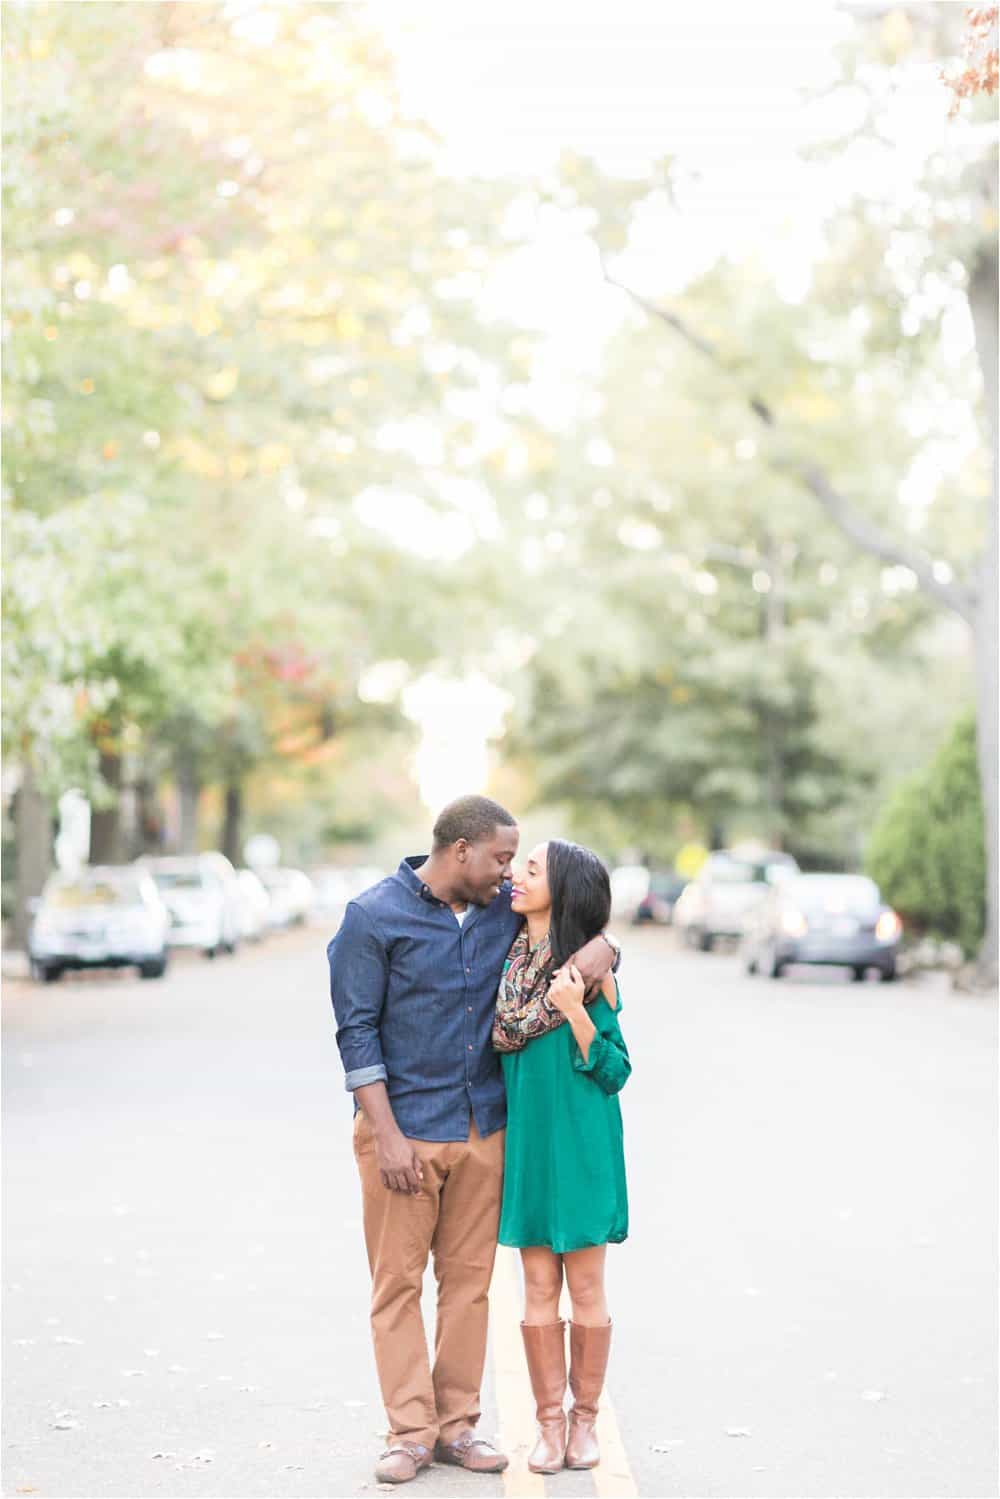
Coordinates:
(564, 1197)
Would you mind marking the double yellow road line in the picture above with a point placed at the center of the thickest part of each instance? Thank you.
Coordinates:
(612, 1478)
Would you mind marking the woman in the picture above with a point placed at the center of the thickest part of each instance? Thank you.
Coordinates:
(564, 1196)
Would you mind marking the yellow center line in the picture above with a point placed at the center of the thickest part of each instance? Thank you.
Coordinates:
(515, 1403)
(612, 1478)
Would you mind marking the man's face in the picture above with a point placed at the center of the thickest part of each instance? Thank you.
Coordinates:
(486, 864)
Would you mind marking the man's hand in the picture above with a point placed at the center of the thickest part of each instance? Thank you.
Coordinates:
(566, 990)
(398, 1162)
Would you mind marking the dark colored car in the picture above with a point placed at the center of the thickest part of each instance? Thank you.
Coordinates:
(658, 903)
(834, 919)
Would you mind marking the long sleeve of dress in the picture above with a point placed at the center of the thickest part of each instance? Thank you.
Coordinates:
(608, 1059)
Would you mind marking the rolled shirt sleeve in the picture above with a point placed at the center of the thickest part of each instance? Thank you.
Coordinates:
(359, 978)
(607, 1057)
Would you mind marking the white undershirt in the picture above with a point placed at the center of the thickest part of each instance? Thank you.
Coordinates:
(460, 915)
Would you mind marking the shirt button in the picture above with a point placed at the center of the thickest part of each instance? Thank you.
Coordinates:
(469, 1008)
(468, 970)
(470, 1048)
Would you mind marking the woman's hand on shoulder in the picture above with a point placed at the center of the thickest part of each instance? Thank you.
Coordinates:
(566, 990)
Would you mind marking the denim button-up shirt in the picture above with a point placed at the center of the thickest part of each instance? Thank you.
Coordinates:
(414, 993)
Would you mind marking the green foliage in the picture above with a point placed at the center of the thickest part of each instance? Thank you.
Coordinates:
(926, 850)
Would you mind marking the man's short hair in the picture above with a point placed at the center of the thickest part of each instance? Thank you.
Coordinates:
(471, 818)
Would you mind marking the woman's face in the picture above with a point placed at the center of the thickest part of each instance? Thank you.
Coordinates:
(530, 894)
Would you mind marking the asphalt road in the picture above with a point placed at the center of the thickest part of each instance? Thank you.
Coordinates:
(807, 1304)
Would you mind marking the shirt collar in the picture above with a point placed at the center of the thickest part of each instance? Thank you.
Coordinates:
(411, 879)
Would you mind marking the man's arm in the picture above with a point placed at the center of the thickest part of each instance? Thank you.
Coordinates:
(359, 981)
(595, 961)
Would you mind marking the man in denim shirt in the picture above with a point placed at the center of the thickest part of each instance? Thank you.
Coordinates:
(414, 971)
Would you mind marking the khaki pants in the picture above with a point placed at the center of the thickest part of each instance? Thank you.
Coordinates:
(455, 1218)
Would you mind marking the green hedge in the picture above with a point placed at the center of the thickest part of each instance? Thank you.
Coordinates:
(926, 851)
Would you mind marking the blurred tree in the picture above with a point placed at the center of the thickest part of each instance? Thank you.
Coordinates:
(257, 326)
(926, 850)
(850, 393)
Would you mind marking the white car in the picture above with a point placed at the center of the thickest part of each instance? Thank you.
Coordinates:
(107, 916)
(202, 895)
(255, 905)
(731, 883)
(291, 893)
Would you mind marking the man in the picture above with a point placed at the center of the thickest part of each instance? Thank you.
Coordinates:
(414, 971)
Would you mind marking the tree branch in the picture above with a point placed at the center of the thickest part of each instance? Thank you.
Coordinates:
(852, 522)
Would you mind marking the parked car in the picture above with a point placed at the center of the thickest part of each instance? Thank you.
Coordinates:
(291, 896)
(255, 905)
(202, 894)
(661, 897)
(730, 884)
(837, 919)
(105, 916)
(629, 884)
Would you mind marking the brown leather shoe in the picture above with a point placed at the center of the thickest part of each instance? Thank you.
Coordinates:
(589, 1349)
(474, 1453)
(545, 1350)
(401, 1462)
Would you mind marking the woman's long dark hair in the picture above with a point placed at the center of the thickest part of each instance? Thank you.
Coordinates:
(581, 897)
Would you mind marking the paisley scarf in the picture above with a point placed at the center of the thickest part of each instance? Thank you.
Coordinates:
(523, 1011)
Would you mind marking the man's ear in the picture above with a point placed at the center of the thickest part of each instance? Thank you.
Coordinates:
(461, 849)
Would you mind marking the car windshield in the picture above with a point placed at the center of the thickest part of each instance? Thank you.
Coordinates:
(833, 893)
(90, 893)
(735, 872)
(178, 879)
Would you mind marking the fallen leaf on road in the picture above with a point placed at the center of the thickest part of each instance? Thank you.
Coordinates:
(155, 1455)
(738, 1431)
(248, 1388)
(203, 1457)
(101, 1405)
(65, 1425)
(133, 1373)
(873, 1395)
(292, 1468)
(266, 1445)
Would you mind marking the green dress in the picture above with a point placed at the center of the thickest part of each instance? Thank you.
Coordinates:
(564, 1167)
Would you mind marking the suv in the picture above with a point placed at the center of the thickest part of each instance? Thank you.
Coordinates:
(731, 883)
(106, 916)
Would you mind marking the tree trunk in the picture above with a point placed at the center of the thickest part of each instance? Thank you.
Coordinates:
(188, 791)
(33, 845)
(983, 302)
(105, 825)
(232, 825)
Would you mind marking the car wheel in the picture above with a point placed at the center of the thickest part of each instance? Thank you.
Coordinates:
(211, 952)
(153, 970)
(750, 968)
(49, 973)
(705, 940)
(889, 975)
(859, 975)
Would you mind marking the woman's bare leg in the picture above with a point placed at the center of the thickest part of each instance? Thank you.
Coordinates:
(585, 1278)
(543, 1279)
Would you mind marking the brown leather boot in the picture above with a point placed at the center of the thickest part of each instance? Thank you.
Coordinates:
(545, 1350)
(589, 1349)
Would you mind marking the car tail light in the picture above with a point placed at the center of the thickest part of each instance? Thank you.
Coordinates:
(793, 923)
(888, 927)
